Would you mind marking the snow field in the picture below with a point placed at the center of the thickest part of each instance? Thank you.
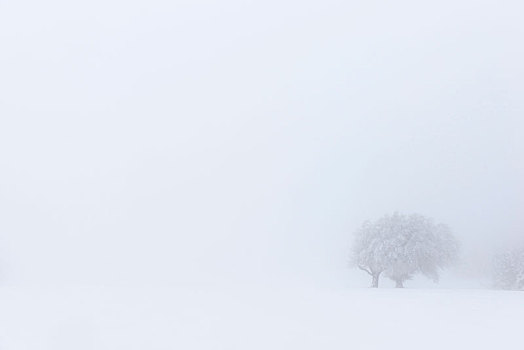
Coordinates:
(243, 317)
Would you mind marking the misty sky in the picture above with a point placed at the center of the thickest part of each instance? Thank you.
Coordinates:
(167, 142)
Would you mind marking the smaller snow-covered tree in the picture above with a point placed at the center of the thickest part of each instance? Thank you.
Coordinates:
(508, 269)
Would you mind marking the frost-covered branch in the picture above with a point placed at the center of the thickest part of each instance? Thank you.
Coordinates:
(364, 269)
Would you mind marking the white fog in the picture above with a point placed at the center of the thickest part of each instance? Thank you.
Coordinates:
(224, 154)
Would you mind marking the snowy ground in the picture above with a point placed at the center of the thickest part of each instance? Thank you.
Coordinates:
(258, 318)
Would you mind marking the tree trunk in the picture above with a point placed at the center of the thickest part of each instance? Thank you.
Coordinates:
(399, 284)
(374, 283)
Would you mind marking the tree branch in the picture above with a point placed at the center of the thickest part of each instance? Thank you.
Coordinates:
(364, 269)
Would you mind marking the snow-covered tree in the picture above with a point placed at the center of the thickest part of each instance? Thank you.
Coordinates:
(400, 246)
(369, 250)
(509, 269)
